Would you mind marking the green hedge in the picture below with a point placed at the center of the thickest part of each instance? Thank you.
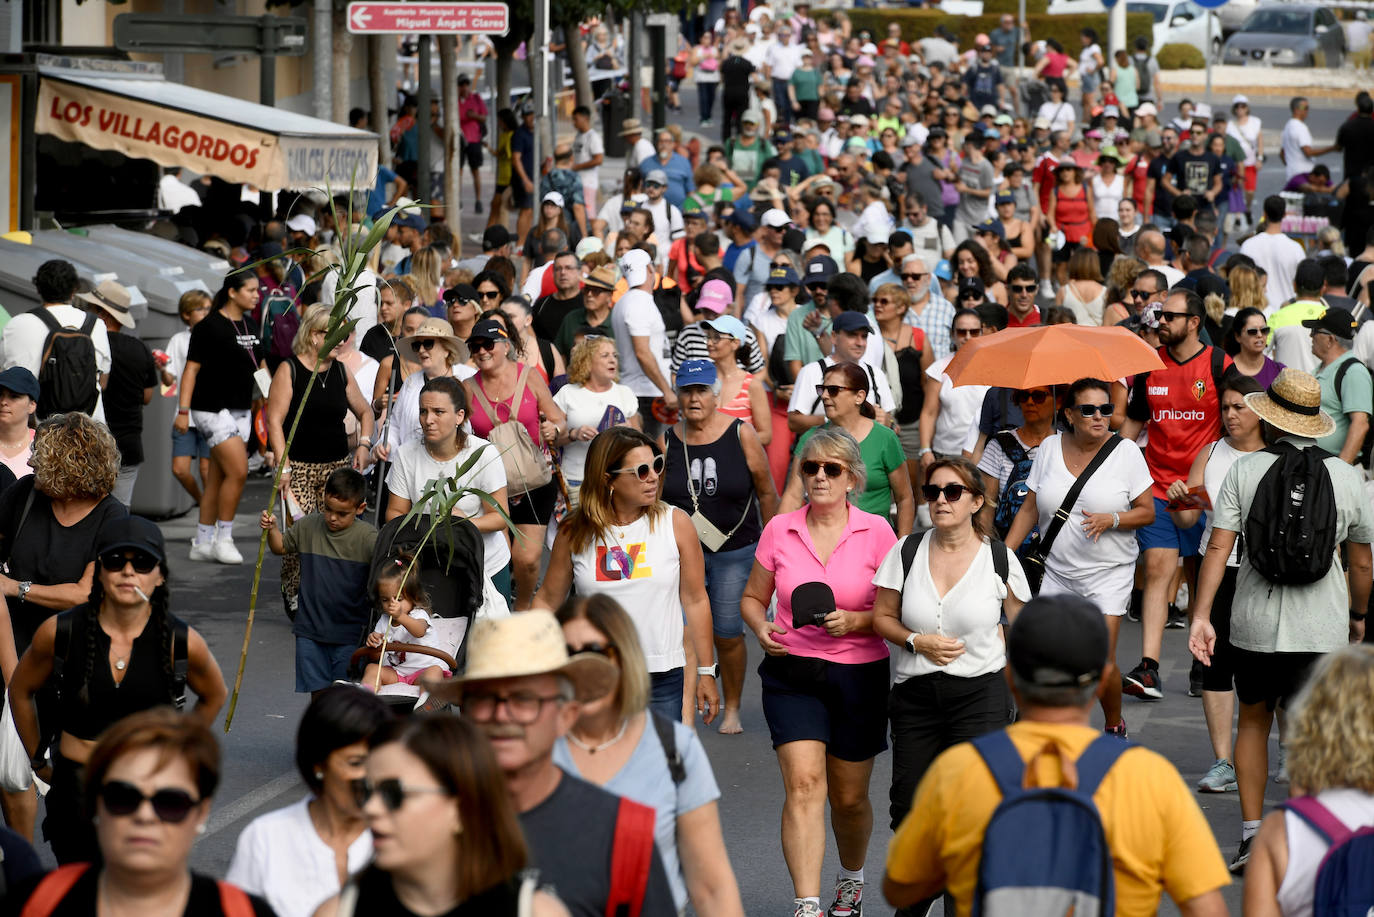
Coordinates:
(1033, 7)
(1180, 57)
(921, 23)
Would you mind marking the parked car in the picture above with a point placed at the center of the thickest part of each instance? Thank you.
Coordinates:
(1233, 14)
(1175, 21)
(1288, 35)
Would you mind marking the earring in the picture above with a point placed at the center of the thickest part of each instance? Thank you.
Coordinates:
(200, 828)
(319, 774)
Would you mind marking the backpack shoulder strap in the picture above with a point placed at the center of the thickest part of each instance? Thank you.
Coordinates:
(1096, 760)
(234, 901)
(1000, 565)
(668, 739)
(52, 889)
(88, 325)
(1008, 442)
(1003, 760)
(631, 863)
(348, 899)
(62, 644)
(181, 661)
(910, 544)
(820, 364)
(45, 316)
(1340, 375)
(1218, 370)
(1319, 818)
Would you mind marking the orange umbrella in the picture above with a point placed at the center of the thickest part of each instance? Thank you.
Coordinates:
(1051, 355)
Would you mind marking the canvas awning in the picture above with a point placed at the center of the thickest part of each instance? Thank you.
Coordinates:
(146, 117)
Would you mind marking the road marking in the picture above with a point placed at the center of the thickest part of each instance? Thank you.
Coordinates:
(249, 802)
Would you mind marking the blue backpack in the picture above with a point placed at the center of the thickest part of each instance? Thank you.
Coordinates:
(1014, 491)
(1345, 883)
(1044, 851)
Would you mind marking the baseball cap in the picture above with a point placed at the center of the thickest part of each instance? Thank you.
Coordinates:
(634, 265)
(859, 120)
(1002, 120)
(715, 296)
(587, 245)
(1239, 99)
(1004, 197)
(695, 372)
(988, 111)
(1041, 124)
(411, 220)
(132, 532)
(1111, 111)
(729, 325)
(910, 139)
(993, 226)
(743, 218)
(876, 237)
(943, 270)
(782, 277)
(1094, 134)
(1147, 109)
(782, 137)
(970, 286)
(488, 329)
(1154, 138)
(1336, 321)
(19, 380)
(1058, 641)
(302, 222)
(820, 269)
(775, 218)
(656, 177)
(851, 322)
(493, 237)
(553, 197)
(462, 292)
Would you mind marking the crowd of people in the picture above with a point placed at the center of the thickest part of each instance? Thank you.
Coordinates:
(713, 406)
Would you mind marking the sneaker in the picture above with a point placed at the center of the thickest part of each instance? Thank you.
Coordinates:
(1281, 775)
(1142, 682)
(1177, 619)
(808, 909)
(1119, 730)
(707, 123)
(222, 551)
(1242, 857)
(477, 206)
(849, 894)
(1133, 614)
(1195, 679)
(1220, 778)
(202, 551)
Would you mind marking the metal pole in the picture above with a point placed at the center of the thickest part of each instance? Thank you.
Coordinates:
(322, 48)
(539, 86)
(632, 62)
(1207, 55)
(267, 93)
(658, 45)
(422, 124)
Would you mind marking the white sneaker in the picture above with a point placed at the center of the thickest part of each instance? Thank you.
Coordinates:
(224, 552)
(202, 551)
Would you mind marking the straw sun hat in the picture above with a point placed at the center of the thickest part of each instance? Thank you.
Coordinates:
(435, 328)
(1293, 403)
(528, 643)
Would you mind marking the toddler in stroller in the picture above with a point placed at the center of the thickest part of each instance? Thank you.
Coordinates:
(404, 625)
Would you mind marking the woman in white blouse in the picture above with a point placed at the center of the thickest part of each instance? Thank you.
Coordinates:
(299, 856)
(944, 616)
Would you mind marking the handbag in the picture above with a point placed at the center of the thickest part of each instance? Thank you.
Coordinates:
(1033, 564)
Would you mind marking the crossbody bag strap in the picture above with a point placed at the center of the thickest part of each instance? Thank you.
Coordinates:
(692, 491)
(483, 400)
(1061, 515)
(521, 382)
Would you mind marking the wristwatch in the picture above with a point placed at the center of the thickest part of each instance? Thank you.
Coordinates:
(24, 588)
(712, 670)
(911, 643)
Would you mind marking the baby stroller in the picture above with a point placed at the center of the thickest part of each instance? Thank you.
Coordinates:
(450, 568)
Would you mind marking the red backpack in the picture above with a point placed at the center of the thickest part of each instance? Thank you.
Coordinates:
(233, 901)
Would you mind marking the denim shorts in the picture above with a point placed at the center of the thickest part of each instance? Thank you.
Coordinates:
(726, 574)
(1162, 533)
(319, 665)
(191, 444)
(221, 426)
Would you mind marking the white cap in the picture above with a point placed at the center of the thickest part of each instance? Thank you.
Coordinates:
(876, 237)
(302, 222)
(814, 243)
(1239, 99)
(588, 245)
(869, 48)
(553, 197)
(775, 218)
(634, 265)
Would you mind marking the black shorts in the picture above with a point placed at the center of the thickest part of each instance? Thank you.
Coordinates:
(520, 199)
(535, 507)
(1220, 675)
(1271, 679)
(1062, 255)
(843, 705)
(470, 153)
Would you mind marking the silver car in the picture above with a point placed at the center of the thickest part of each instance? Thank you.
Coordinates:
(1288, 35)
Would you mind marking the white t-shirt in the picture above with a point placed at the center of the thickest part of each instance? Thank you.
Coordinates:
(805, 401)
(959, 408)
(643, 151)
(177, 347)
(413, 468)
(1122, 478)
(586, 147)
(25, 334)
(610, 213)
(971, 610)
(404, 419)
(1221, 456)
(637, 316)
(1279, 256)
(1292, 346)
(1247, 135)
(1106, 196)
(1307, 849)
(1295, 136)
(410, 663)
(586, 408)
(281, 858)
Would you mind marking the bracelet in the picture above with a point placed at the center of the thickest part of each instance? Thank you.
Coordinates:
(183, 410)
(1116, 520)
(1357, 616)
(285, 471)
(924, 450)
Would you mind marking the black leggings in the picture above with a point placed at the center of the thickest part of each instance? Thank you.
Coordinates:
(66, 826)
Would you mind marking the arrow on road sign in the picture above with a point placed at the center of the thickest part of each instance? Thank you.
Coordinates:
(359, 17)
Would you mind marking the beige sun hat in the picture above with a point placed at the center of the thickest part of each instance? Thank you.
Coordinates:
(1293, 403)
(112, 298)
(528, 643)
(435, 328)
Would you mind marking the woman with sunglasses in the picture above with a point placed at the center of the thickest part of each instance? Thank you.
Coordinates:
(492, 288)
(395, 367)
(300, 855)
(121, 652)
(616, 744)
(439, 353)
(948, 412)
(944, 615)
(624, 542)
(1095, 554)
(1007, 459)
(151, 776)
(445, 836)
(502, 391)
(825, 673)
(911, 351)
(1246, 341)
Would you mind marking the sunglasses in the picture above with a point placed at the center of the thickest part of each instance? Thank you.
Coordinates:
(832, 390)
(642, 470)
(477, 345)
(1035, 397)
(490, 294)
(1023, 288)
(116, 561)
(968, 332)
(976, 296)
(953, 492)
(817, 287)
(1257, 332)
(1090, 410)
(915, 277)
(392, 791)
(601, 649)
(1169, 316)
(811, 468)
(426, 343)
(171, 806)
(884, 301)
(1141, 294)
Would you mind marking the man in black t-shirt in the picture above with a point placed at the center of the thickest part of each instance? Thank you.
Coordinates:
(1356, 137)
(1195, 171)
(735, 73)
(549, 311)
(133, 379)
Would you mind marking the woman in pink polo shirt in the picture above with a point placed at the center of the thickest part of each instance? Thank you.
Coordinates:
(824, 684)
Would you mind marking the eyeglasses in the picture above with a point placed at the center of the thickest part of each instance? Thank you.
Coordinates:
(489, 294)
(953, 492)
(601, 649)
(425, 343)
(915, 277)
(811, 468)
(1169, 316)
(392, 791)
(1257, 332)
(832, 390)
(1023, 288)
(968, 332)
(641, 470)
(116, 561)
(171, 806)
(1090, 410)
(1036, 397)
(477, 345)
(522, 708)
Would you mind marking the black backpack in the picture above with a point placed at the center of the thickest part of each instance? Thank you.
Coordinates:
(1291, 528)
(1014, 491)
(67, 377)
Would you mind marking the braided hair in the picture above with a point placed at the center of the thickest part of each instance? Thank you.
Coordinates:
(161, 617)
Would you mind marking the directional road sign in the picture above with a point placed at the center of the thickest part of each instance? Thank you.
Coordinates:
(367, 18)
(159, 33)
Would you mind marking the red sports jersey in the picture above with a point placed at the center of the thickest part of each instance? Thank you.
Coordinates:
(1043, 177)
(1183, 409)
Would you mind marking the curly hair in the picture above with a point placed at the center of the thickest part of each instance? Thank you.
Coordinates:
(1122, 277)
(316, 318)
(580, 362)
(980, 256)
(1328, 747)
(160, 622)
(74, 458)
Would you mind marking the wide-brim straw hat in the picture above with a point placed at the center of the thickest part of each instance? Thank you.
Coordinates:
(435, 328)
(527, 643)
(1293, 403)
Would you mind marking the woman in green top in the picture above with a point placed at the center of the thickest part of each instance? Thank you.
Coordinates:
(1125, 81)
(844, 394)
(804, 89)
